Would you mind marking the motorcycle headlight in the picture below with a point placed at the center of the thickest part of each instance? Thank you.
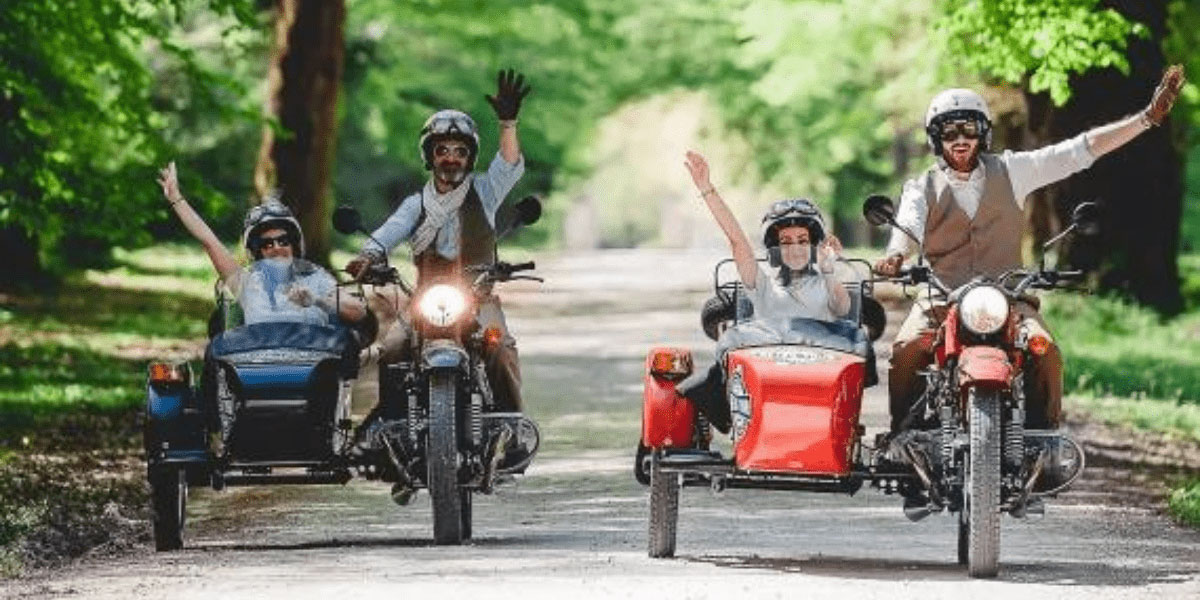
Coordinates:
(442, 305)
(984, 310)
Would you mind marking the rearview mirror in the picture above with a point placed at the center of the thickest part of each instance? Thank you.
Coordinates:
(527, 211)
(346, 220)
(878, 210)
(1086, 218)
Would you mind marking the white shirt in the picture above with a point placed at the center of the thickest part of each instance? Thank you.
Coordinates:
(263, 295)
(1028, 171)
(492, 186)
(808, 297)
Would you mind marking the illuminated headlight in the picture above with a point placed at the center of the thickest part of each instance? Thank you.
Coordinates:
(442, 305)
(984, 310)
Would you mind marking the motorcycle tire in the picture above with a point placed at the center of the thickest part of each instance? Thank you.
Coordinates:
(716, 310)
(641, 464)
(467, 509)
(441, 457)
(168, 506)
(981, 494)
(664, 509)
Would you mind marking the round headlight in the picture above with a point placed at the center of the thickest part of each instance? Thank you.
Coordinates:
(984, 310)
(442, 304)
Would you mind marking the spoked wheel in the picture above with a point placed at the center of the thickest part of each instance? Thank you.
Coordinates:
(981, 494)
(442, 460)
(963, 537)
(664, 509)
(168, 505)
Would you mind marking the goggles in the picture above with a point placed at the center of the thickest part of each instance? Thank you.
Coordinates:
(451, 124)
(459, 150)
(950, 130)
(791, 207)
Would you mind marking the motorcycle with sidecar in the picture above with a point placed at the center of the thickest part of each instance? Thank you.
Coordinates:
(272, 406)
(794, 398)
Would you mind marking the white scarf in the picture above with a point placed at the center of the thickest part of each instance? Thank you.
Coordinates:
(439, 209)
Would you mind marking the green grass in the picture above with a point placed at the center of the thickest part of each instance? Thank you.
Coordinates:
(1184, 502)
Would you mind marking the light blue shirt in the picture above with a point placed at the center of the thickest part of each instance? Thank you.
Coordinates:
(492, 188)
(263, 292)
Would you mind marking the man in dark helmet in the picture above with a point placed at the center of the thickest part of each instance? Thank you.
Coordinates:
(451, 223)
(968, 210)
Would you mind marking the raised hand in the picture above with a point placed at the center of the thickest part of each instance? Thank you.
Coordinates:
(510, 91)
(1165, 95)
(828, 252)
(698, 167)
(169, 180)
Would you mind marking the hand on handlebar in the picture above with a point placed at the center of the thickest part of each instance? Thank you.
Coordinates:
(889, 266)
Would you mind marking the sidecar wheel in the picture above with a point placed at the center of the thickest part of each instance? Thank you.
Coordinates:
(641, 466)
(168, 507)
(466, 513)
(981, 494)
(442, 459)
(664, 509)
(963, 538)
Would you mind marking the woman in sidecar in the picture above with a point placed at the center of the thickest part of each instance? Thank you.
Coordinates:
(803, 288)
(274, 390)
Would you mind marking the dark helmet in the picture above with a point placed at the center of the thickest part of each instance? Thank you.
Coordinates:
(271, 214)
(449, 124)
(786, 213)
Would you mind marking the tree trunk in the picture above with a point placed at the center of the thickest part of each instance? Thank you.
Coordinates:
(304, 81)
(1139, 187)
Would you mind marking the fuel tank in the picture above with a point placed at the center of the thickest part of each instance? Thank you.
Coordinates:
(795, 409)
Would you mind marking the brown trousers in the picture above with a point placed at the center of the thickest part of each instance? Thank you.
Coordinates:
(912, 352)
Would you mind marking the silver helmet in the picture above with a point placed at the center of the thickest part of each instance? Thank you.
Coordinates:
(271, 214)
(451, 124)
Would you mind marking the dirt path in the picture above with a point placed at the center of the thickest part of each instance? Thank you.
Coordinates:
(575, 526)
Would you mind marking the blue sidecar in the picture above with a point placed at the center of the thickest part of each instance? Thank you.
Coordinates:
(272, 406)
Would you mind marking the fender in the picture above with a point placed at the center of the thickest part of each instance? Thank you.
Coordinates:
(174, 429)
(984, 366)
(668, 418)
(443, 354)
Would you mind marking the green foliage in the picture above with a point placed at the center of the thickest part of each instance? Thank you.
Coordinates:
(1112, 348)
(84, 111)
(1038, 43)
(1184, 501)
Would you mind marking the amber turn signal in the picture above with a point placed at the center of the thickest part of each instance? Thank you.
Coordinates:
(671, 363)
(1039, 345)
(163, 372)
(491, 337)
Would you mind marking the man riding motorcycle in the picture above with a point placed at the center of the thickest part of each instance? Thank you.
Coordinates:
(451, 223)
(968, 212)
(803, 286)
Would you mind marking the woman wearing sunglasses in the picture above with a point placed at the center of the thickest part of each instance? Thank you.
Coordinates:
(278, 285)
(968, 211)
(798, 247)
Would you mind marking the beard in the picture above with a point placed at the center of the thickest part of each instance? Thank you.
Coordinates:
(962, 157)
(450, 173)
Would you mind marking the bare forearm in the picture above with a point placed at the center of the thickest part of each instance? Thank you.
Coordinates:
(739, 244)
(839, 298)
(1106, 138)
(221, 259)
(510, 145)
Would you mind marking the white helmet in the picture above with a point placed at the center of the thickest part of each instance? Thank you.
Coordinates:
(452, 124)
(957, 104)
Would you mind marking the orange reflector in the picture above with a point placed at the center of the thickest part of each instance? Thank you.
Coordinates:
(161, 372)
(491, 336)
(671, 363)
(1039, 345)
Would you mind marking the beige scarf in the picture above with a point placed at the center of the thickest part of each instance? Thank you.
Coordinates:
(439, 209)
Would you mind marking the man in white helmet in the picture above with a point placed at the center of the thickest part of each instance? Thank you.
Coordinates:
(451, 223)
(968, 211)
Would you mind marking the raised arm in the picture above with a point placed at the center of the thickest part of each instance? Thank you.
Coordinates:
(1106, 138)
(224, 262)
(510, 91)
(743, 253)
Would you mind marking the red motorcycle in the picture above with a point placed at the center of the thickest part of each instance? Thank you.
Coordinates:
(795, 399)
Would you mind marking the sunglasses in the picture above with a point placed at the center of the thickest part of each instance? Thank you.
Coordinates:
(459, 151)
(952, 129)
(280, 241)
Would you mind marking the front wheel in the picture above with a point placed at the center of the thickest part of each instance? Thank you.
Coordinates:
(981, 494)
(664, 509)
(168, 505)
(441, 456)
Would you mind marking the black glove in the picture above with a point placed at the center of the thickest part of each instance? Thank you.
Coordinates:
(511, 89)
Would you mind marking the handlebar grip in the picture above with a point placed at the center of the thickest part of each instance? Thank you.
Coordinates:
(525, 266)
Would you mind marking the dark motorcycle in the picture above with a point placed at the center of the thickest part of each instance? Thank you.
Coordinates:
(965, 437)
(438, 425)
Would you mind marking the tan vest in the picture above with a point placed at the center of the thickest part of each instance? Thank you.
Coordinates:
(476, 243)
(959, 247)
